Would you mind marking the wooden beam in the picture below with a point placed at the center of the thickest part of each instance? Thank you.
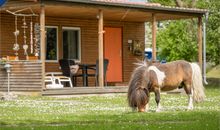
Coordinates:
(200, 41)
(42, 41)
(100, 42)
(125, 14)
(154, 29)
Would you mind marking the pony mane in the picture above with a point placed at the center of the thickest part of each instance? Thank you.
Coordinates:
(137, 84)
(140, 64)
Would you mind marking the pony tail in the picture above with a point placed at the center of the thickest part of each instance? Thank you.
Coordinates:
(197, 85)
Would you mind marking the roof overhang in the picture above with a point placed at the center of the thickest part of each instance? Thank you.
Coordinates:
(88, 9)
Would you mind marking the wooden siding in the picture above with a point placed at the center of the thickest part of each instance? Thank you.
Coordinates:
(89, 40)
(24, 76)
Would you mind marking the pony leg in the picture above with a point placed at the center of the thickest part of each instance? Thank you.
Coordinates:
(134, 108)
(189, 92)
(147, 107)
(157, 99)
(190, 101)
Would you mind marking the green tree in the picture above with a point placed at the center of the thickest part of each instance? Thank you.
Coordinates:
(213, 31)
(176, 42)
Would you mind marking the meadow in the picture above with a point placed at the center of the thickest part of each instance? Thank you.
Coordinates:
(109, 112)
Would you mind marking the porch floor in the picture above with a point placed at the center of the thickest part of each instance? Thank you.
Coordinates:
(84, 90)
(96, 90)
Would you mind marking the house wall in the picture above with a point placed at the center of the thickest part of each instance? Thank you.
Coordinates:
(25, 76)
(89, 40)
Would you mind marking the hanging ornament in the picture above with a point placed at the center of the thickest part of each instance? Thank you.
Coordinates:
(25, 46)
(33, 48)
(31, 35)
(37, 39)
(16, 48)
(16, 45)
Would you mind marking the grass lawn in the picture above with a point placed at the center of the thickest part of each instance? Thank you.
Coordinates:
(214, 72)
(109, 112)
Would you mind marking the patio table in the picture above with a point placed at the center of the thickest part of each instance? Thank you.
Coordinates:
(85, 68)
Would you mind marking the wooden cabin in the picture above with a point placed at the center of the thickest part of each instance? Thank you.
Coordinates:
(85, 31)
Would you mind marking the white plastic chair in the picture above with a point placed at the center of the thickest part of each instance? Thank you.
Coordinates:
(57, 76)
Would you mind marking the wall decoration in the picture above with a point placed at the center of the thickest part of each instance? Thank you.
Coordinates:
(36, 39)
(25, 46)
(138, 48)
(16, 45)
(31, 36)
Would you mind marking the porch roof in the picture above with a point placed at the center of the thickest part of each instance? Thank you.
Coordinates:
(114, 10)
(123, 10)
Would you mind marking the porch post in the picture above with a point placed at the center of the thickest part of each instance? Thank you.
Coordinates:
(42, 42)
(100, 42)
(154, 29)
(200, 41)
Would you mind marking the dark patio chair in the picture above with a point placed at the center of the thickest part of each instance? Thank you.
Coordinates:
(96, 74)
(65, 67)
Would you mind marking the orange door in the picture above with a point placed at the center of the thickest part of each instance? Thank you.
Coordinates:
(113, 52)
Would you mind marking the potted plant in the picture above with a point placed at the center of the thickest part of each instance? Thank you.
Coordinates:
(3, 61)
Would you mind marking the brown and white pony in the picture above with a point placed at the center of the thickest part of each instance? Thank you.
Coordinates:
(148, 78)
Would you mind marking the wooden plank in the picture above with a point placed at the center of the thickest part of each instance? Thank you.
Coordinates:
(154, 49)
(100, 39)
(84, 90)
(20, 84)
(21, 89)
(200, 41)
(25, 75)
(26, 68)
(21, 77)
(88, 88)
(21, 80)
(24, 65)
(19, 4)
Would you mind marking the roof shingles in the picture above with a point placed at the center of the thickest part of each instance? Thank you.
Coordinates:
(129, 2)
(148, 4)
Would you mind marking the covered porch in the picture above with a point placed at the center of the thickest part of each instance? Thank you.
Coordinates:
(92, 22)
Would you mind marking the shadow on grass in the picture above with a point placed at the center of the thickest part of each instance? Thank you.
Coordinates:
(213, 82)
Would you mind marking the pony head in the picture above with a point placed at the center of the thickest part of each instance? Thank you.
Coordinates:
(138, 93)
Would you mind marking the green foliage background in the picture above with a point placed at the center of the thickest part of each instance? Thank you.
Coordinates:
(176, 42)
(213, 31)
(178, 39)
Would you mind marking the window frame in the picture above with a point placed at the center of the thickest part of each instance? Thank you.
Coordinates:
(57, 28)
(79, 40)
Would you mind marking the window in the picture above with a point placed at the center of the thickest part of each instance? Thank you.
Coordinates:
(71, 43)
(51, 43)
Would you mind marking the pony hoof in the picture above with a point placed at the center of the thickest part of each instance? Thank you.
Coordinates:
(190, 108)
(142, 110)
(158, 110)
